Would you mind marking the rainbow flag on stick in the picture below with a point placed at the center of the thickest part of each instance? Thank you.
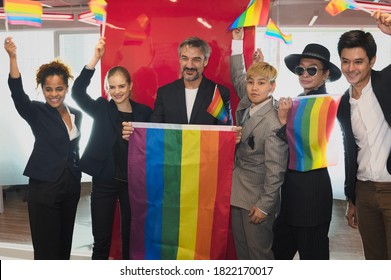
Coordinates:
(272, 31)
(310, 122)
(334, 7)
(216, 107)
(257, 13)
(180, 180)
(23, 12)
(98, 8)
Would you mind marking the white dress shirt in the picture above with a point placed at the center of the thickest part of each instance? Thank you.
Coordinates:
(190, 99)
(74, 131)
(372, 134)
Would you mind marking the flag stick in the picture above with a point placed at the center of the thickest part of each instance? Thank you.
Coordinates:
(363, 9)
(104, 26)
(6, 22)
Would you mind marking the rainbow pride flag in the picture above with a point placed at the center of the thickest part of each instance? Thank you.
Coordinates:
(23, 12)
(335, 7)
(310, 122)
(256, 14)
(98, 8)
(272, 31)
(216, 107)
(180, 180)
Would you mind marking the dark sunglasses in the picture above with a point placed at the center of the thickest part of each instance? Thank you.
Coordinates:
(312, 70)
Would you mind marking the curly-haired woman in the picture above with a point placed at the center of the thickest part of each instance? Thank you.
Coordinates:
(54, 176)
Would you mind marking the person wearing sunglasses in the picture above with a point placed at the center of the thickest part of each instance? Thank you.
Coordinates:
(306, 197)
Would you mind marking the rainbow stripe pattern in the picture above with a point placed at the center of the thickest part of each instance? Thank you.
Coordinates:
(23, 12)
(272, 31)
(98, 8)
(216, 107)
(310, 122)
(180, 180)
(256, 14)
(335, 7)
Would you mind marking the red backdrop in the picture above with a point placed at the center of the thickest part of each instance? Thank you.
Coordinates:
(153, 30)
(148, 45)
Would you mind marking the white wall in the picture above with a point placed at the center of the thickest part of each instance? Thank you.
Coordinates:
(35, 48)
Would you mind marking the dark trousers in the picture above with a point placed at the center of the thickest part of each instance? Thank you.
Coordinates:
(373, 209)
(312, 243)
(52, 211)
(104, 197)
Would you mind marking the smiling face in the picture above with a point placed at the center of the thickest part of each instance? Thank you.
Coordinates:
(356, 67)
(192, 63)
(119, 88)
(309, 82)
(54, 90)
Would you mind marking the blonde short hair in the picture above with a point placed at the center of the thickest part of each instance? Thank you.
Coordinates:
(262, 69)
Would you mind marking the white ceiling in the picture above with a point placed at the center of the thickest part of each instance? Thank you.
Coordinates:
(64, 3)
(299, 13)
(286, 13)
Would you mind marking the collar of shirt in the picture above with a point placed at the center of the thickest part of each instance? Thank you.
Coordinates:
(254, 109)
(74, 131)
(364, 93)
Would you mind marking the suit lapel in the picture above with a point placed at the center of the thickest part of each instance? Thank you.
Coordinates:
(77, 119)
(255, 119)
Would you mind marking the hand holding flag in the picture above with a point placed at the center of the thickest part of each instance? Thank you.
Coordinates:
(310, 122)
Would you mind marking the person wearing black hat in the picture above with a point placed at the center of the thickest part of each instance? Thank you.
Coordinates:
(365, 117)
(306, 197)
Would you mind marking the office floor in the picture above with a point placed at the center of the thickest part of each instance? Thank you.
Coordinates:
(15, 240)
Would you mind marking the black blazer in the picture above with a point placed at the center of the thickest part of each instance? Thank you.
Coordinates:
(381, 85)
(52, 151)
(98, 159)
(170, 104)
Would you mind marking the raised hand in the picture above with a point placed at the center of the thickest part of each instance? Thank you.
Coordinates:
(10, 47)
(238, 33)
(383, 21)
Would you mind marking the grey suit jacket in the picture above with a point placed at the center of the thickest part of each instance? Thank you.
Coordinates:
(238, 74)
(260, 160)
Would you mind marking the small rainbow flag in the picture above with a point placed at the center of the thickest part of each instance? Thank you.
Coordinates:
(98, 8)
(180, 180)
(272, 31)
(257, 13)
(216, 107)
(23, 12)
(310, 122)
(335, 7)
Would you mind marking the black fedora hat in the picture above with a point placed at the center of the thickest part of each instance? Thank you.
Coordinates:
(315, 51)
